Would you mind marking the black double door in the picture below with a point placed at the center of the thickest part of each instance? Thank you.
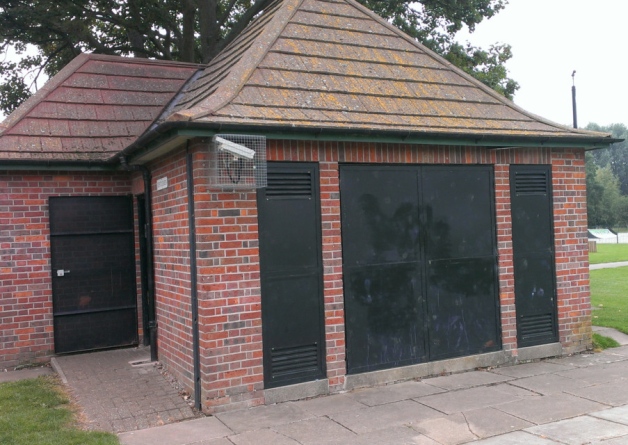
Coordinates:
(291, 275)
(93, 272)
(419, 263)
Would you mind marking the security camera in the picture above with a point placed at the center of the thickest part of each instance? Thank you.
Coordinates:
(237, 150)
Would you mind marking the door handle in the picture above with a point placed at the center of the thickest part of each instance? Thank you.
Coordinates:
(62, 273)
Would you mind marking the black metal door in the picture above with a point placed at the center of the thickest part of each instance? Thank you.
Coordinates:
(382, 267)
(419, 263)
(461, 259)
(533, 254)
(93, 272)
(291, 275)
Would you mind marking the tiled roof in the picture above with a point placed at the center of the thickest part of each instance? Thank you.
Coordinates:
(94, 108)
(323, 64)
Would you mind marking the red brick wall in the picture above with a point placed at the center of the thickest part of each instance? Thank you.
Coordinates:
(572, 251)
(228, 292)
(228, 257)
(26, 330)
(172, 267)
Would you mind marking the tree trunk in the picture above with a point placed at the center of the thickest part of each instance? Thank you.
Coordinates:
(209, 28)
(187, 43)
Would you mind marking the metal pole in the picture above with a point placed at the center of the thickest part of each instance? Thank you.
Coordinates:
(573, 99)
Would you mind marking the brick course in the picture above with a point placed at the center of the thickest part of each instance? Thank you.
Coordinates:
(26, 321)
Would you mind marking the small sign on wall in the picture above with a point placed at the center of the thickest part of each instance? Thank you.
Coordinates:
(162, 183)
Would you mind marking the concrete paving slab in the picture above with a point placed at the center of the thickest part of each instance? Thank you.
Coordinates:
(24, 374)
(597, 375)
(586, 360)
(467, 399)
(318, 431)
(214, 442)
(613, 394)
(516, 438)
(466, 380)
(488, 422)
(450, 430)
(621, 351)
(400, 435)
(384, 416)
(261, 417)
(514, 391)
(261, 437)
(549, 384)
(619, 415)
(623, 440)
(581, 430)
(336, 403)
(530, 369)
(393, 393)
(552, 408)
(183, 433)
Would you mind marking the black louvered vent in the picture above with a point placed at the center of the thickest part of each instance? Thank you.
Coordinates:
(532, 326)
(299, 359)
(531, 183)
(289, 184)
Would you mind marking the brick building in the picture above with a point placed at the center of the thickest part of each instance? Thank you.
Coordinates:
(394, 219)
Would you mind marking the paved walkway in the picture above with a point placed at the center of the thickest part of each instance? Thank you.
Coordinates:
(116, 396)
(608, 265)
(573, 400)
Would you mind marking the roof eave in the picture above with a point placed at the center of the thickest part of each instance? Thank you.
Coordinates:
(169, 135)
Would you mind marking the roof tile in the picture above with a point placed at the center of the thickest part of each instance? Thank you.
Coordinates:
(92, 109)
(334, 64)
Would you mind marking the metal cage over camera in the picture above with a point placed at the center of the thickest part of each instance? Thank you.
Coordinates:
(237, 162)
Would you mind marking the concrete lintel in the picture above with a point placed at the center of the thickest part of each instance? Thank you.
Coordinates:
(299, 391)
(539, 352)
(458, 364)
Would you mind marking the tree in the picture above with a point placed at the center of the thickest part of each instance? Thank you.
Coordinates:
(196, 30)
(614, 157)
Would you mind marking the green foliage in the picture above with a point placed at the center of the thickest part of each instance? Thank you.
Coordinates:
(614, 157)
(35, 412)
(608, 296)
(196, 30)
(609, 253)
(600, 342)
(607, 206)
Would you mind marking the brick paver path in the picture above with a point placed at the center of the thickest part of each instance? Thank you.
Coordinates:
(117, 396)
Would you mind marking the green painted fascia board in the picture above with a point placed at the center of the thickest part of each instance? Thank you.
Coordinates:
(509, 143)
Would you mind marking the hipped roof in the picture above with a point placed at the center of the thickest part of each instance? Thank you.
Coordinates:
(333, 64)
(92, 109)
(302, 66)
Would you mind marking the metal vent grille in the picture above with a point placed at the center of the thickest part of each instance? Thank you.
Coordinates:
(289, 184)
(531, 326)
(531, 183)
(237, 162)
(295, 360)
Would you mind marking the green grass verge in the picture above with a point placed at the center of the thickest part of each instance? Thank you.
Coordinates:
(35, 412)
(600, 342)
(609, 298)
(609, 253)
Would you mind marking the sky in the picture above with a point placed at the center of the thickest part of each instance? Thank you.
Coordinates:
(552, 38)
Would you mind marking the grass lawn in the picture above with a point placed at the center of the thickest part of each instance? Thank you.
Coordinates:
(36, 412)
(609, 298)
(609, 253)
